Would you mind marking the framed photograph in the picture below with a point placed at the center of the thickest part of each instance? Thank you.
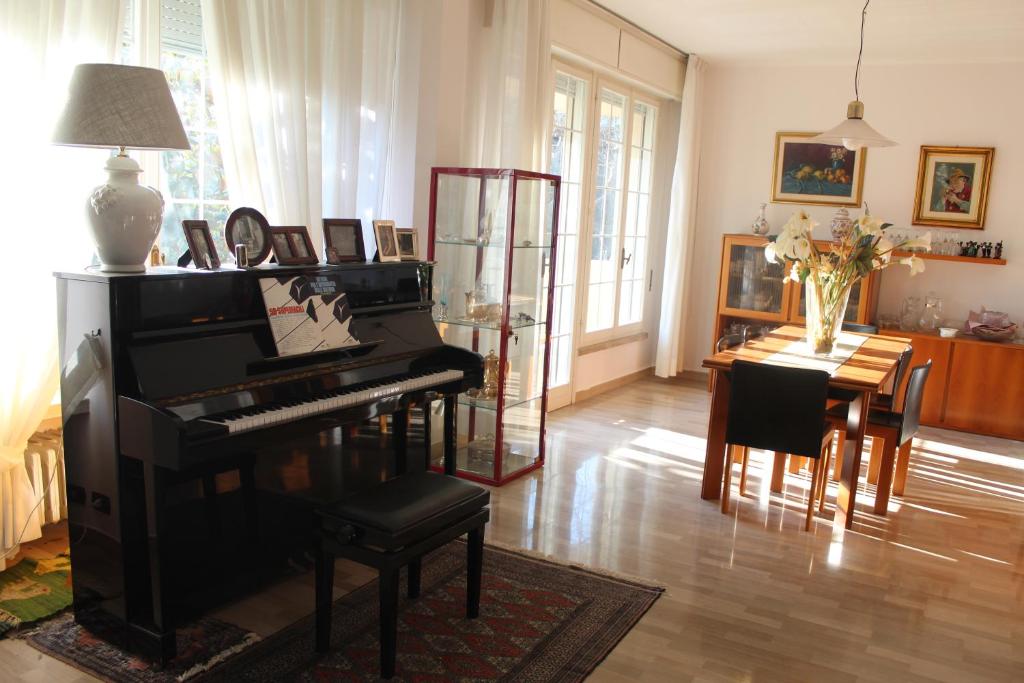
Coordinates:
(249, 227)
(292, 246)
(387, 241)
(952, 186)
(408, 244)
(807, 172)
(343, 240)
(200, 245)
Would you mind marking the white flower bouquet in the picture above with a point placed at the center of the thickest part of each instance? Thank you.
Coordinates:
(830, 273)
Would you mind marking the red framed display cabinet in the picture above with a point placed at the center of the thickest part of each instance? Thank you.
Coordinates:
(492, 239)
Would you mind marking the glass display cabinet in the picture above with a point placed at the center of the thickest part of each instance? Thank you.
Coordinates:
(753, 292)
(492, 239)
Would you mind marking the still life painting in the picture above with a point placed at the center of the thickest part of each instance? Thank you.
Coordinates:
(952, 186)
(808, 172)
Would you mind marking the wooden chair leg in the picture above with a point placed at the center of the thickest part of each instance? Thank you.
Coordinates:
(744, 459)
(414, 570)
(796, 463)
(837, 466)
(824, 477)
(324, 597)
(811, 493)
(778, 471)
(875, 459)
(899, 480)
(884, 486)
(474, 571)
(388, 621)
(727, 480)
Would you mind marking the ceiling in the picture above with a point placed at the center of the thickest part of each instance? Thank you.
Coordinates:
(827, 31)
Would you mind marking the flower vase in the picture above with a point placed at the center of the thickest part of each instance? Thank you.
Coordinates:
(825, 318)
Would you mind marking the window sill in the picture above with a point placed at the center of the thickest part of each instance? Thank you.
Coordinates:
(611, 343)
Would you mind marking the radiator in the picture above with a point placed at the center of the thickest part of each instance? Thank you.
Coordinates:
(44, 461)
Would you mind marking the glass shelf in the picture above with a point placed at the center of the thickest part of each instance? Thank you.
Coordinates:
(493, 245)
(492, 404)
(484, 325)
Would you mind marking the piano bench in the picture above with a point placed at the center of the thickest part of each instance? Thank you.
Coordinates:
(393, 525)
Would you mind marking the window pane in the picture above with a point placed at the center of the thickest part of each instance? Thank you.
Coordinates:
(567, 145)
(636, 227)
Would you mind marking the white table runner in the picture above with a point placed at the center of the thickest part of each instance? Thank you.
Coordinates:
(799, 354)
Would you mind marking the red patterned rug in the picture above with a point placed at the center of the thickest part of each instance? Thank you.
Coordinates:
(539, 621)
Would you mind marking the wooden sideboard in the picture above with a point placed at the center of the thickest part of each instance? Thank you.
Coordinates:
(974, 386)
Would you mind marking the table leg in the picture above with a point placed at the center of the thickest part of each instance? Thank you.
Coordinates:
(714, 457)
(856, 424)
(778, 472)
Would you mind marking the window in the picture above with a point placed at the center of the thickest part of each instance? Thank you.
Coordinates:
(617, 279)
(192, 182)
(567, 145)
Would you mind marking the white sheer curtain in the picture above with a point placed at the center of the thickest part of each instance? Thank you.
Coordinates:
(45, 190)
(305, 91)
(508, 108)
(681, 225)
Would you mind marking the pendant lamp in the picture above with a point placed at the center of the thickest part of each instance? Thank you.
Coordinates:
(854, 133)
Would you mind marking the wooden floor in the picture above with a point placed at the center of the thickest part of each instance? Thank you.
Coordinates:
(933, 592)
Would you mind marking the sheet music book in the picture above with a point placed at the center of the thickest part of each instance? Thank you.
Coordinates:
(307, 313)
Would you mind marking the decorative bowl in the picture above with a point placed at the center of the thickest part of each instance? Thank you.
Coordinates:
(994, 333)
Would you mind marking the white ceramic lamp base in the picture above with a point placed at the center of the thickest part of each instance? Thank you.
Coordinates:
(125, 218)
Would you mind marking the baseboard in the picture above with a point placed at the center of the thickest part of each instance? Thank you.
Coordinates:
(604, 387)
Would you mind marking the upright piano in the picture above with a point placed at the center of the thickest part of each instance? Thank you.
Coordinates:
(195, 459)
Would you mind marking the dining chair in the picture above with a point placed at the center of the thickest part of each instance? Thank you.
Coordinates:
(880, 401)
(779, 409)
(860, 328)
(890, 431)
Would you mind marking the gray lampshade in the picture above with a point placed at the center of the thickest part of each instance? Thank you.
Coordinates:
(112, 105)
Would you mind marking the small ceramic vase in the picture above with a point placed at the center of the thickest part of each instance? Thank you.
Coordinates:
(842, 225)
(760, 224)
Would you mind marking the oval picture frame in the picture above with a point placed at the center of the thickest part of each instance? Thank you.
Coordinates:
(248, 218)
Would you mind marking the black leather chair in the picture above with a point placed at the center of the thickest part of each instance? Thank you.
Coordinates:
(859, 328)
(879, 401)
(890, 431)
(393, 525)
(779, 409)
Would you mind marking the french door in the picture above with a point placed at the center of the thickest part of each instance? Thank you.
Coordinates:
(602, 145)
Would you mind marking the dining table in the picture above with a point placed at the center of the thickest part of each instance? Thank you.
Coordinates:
(862, 364)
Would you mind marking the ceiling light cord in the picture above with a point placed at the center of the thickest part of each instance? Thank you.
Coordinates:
(856, 74)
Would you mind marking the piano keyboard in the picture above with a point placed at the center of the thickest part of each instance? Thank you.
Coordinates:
(259, 417)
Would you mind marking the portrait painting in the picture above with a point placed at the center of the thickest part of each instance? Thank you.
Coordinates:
(282, 247)
(806, 172)
(952, 186)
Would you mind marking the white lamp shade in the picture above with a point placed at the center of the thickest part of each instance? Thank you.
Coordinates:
(112, 105)
(854, 132)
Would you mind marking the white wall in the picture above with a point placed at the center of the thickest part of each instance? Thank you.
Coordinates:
(935, 104)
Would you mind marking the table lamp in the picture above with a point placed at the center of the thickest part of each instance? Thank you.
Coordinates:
(112, 105)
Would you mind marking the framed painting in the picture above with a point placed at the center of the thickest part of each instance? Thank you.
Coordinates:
(807, 172)
(952, 186)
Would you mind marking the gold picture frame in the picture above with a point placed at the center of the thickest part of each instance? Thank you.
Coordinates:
(805, 172)
(952, 186)
(408, 244)
(387, 241)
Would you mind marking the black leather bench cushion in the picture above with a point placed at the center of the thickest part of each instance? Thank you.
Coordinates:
(418, 499)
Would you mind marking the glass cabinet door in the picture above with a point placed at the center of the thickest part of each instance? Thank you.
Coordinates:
(856, 309)
(492, 237)
(751, 286)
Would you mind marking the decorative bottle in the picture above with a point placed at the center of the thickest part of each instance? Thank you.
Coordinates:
(760, 224)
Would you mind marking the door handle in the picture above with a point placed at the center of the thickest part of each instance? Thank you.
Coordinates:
(625, 259)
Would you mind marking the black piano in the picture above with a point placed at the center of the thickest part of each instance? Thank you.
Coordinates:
(195, 461)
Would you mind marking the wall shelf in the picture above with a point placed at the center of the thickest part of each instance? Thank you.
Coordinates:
(944, 257)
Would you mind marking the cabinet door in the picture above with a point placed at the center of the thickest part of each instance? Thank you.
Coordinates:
(750, 286)
(939, 351)
(857, 310)
(986, 394)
